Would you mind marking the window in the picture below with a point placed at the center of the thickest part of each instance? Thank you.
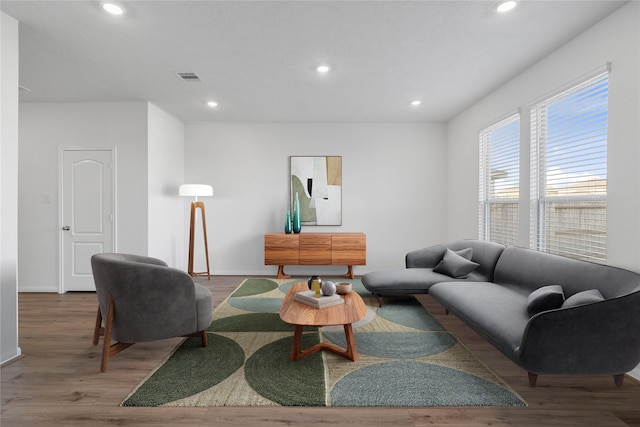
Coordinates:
(569, 172)
(500, 181)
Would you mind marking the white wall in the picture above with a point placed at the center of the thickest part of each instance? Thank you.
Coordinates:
(393, 190)
(9, 185)
(166, 173)
(44, 127)
(614, 39)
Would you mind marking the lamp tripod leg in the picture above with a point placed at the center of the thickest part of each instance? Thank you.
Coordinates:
(206, 245)
(194, 206)
(191, 238)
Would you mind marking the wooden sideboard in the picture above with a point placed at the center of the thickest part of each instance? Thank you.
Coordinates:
(315, 249)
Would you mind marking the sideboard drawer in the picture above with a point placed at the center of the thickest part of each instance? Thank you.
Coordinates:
(281, 249)
(315, 249)
(349, 249)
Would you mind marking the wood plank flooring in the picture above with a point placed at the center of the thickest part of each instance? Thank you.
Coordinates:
(58, 382)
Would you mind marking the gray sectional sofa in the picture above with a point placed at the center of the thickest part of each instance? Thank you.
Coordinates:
(549, 314)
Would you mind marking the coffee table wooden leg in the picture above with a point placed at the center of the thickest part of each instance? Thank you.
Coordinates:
(350, 352)
(296, 351)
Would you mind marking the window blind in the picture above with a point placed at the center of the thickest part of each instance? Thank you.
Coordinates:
(569, 171)
(499, 194)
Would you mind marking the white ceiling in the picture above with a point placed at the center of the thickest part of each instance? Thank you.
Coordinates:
(257, 59)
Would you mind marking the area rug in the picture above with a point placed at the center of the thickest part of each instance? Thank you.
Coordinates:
(405, 358)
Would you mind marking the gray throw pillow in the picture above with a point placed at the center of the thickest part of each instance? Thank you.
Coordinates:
(582, 298)
(455, 266)
(466, 253)
(545, 298)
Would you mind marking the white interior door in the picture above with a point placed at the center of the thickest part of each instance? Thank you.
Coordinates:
(87, 214)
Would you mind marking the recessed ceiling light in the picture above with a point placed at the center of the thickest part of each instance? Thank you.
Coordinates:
(113, 8)
(506, 6)
(212, 104)
(323, 69)
(416, 103)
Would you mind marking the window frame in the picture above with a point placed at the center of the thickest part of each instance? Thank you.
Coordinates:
(540, 200)
(486, 196)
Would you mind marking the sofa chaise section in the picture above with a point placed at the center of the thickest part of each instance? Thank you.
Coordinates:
(418, 276)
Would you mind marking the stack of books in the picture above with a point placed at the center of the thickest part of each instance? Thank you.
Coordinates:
(309, 298)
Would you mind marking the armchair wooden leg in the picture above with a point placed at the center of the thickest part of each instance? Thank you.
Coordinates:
(532, 379)
(109, 349)
(106, 343)
(98, 330)
(108, 328)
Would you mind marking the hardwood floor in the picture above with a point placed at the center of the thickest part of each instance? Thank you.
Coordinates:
(58, 382)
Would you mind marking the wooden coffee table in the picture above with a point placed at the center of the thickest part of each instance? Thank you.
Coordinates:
(301, 315)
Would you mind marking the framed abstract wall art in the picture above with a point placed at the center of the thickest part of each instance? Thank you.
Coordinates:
(318, 182)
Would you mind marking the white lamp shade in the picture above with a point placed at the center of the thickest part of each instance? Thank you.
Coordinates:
(196, 190)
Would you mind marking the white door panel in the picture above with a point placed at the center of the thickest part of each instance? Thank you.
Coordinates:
(87, 214)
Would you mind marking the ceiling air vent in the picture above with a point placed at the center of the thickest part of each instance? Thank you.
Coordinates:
(188, 77)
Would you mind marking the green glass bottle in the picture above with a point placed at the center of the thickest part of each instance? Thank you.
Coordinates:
(287, 223)
(297, 224)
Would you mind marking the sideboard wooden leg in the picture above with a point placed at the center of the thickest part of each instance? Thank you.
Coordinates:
(281, 274)
(349, 274)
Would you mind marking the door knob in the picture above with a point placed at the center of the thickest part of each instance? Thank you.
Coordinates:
(66, 228)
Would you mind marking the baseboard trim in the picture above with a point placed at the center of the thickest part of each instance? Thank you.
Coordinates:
(13, 359)
(38, 290)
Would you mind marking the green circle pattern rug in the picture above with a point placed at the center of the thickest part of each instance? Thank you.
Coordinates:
(189, 371)
(405, 358)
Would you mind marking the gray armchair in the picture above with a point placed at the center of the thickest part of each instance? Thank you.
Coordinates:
(141, 299)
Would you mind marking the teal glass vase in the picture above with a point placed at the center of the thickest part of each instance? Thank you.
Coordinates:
(297, 224)
(288, 228)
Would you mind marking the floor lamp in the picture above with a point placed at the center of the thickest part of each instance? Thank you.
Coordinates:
(197, 190)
